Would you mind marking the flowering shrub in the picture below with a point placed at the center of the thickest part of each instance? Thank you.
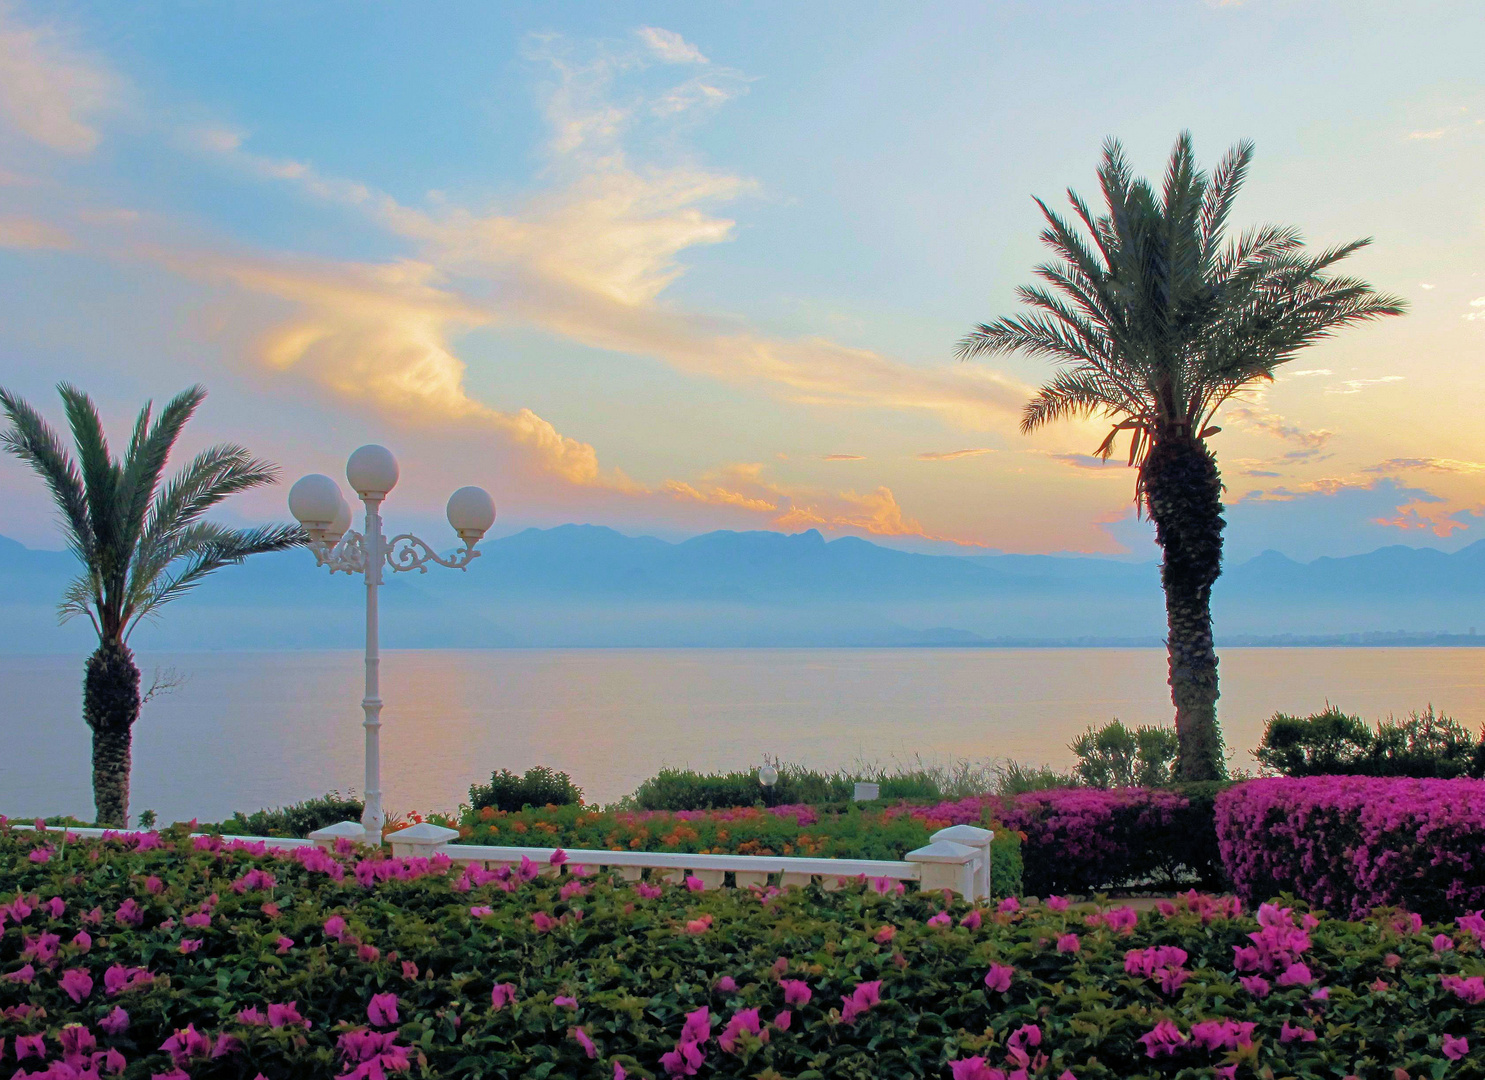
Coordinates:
(1352, 843)
(806, 831)
(1082, 840)
(359, 968)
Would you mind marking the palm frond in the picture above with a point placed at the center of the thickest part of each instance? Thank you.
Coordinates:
(35, 442)
(207, 549)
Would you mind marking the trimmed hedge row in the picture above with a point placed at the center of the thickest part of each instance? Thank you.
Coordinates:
(1352, 843)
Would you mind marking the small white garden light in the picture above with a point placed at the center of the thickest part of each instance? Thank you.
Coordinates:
(316, 503)
(768, 776)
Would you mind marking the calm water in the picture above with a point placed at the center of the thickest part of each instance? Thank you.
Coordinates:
(259, 729)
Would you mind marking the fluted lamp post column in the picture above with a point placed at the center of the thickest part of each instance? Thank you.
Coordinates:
(317, 504)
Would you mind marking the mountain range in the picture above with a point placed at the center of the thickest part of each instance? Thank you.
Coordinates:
(590, 586)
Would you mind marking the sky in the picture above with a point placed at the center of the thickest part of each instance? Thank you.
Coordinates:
(674, 267)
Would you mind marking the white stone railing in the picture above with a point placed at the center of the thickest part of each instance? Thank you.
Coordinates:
(957, 859)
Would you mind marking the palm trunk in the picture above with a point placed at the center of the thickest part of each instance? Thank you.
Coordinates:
(1183, 491)
(110, 706)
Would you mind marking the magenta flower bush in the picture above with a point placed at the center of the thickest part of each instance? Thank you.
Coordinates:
(1352, 843)
(391, 973)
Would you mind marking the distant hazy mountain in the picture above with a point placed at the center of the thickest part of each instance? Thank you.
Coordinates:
(581, 585)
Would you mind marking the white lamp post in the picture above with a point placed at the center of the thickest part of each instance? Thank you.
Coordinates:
(316, 502)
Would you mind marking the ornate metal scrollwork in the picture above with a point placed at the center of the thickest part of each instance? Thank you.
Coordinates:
(407, 552)
(348, 555)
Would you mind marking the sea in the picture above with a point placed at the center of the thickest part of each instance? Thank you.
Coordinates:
(247, 730)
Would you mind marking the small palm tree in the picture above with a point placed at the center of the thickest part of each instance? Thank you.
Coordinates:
(141, 546)
(1156, 318)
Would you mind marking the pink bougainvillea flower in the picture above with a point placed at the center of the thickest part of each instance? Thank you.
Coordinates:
(1166, 908)
(368, 953)
(744, 1020)
(27, 1046)
(973, 920)
(76, 983)
(571, 889)
(189, 945)
(41, 854)
(55, 907)
(77, 1042)
(694, 883)
(1442, 943)
(1471, 990)
(187, 1043)
(941, 919)
(1296, 974)
(783, 1019)
(726, 985)
(528, 870)
(1122, 920)
(1321, 993)
(544, 922)
(584, 1041)
(796, 991)
(558, 857)
(1455, 1047)
(565, 1001)
(154, 885)
(335, 928)
(1163, 1038)
(1473, 923)
(118, 979)
(1222, 1034)
(1256, 985)
(1057, 903)
(885, 934)
(502, 994)
(23, 974)
(382, 1010)
(649, 892)
(619, 1073)
(998, 978)
(252, 1017)
(116, 1022)
(860, 1000)
(1009, 906)
(479, 911)
(94, 917)
(270, 909)
(1288, 1033)
(129, 913)
(699, 926)
(409, 970)
(284, 945)
(1068, 943)
(82, 941)
(974, 1068)
(286, 1016)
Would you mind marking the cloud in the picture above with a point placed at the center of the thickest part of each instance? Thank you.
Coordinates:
(790, 507)
(1257, 418)
(952, 455)
(1426, 515)
(670, 46)
(1476, 316)
(589, 259)
(32, 234)
(1306, 373)
(844, 457)
(49, 90)
(1355, 386)
(1424, 285)
(1439, 465)
(1433, 133)
(1087, 461)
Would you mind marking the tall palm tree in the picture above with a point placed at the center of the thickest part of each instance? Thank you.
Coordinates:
(141, 546)
(1155, 318)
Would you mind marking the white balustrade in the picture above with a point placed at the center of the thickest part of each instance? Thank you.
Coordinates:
(958, 859)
